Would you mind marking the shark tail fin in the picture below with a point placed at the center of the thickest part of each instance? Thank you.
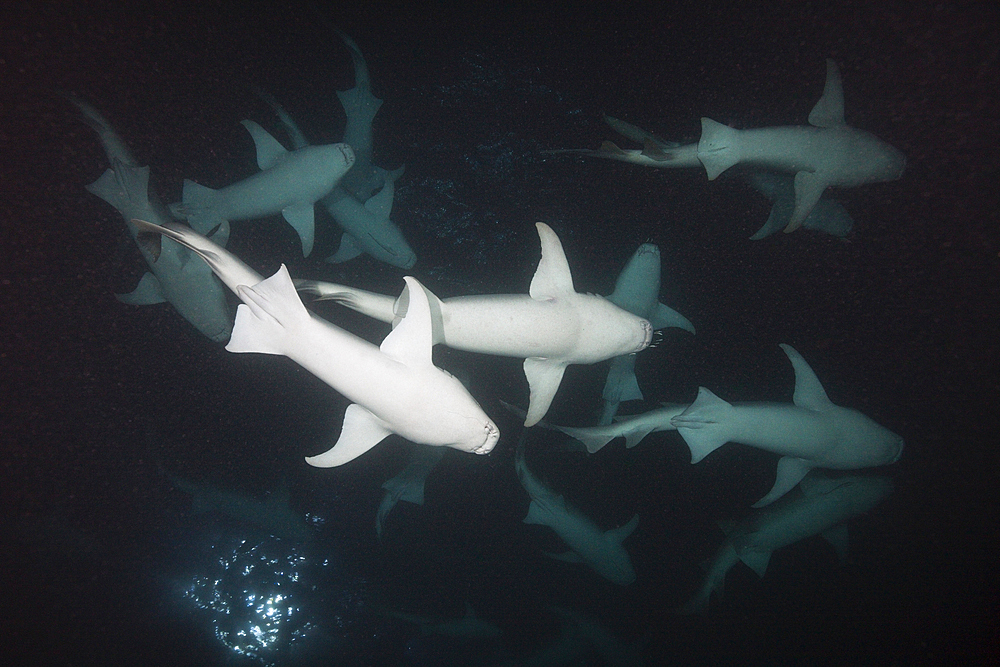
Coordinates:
(269, 309)
(718, 149)
(700, 424)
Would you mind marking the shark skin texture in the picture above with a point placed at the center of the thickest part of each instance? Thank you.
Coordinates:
(601, 550)
(826, 153)
(289, 183)
(550, 327)
(637, 290)
(811, 432)
(824, 507)
(394, 387)
(175, 276)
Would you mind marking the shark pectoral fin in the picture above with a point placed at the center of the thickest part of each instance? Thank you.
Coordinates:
(717, 148)
(778, 218)
(148, 292)
(544, 376)
(402, 304)
(349, 249)
(791, 470)
(809, 393)
(362, 430)
(566, 557)
(829, 111)
(756, 560)
(552, 277)
(269, 151)
(837, 536)
(537, 515)
(809, 187)
(665, 316)
(635, 437)
(269, 309)
(699, 424)
(630, 387)
(619, 534)
(303, 221)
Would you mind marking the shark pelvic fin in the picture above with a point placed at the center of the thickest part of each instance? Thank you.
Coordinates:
(791, 470)
(269, 309)
(148, 292)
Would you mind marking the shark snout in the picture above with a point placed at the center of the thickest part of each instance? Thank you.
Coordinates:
(647, 338)
(492, 435)
(348, 154)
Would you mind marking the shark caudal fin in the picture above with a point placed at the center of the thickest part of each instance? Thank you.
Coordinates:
(718, 148)
(269, 310)
(700, 425)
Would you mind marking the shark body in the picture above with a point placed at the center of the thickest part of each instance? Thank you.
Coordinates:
(826, 153)
(394, 388)
(551, 327)
(601, 550)
(290, 183)
(824, 507)
(810, 433)
(175, 275)
(633, 428)
(365, 221)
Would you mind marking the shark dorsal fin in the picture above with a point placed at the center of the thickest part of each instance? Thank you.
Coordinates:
(269, 151)
(552, 277)
(809, 393)
(610, 148)
(829, 111)
(411, 340)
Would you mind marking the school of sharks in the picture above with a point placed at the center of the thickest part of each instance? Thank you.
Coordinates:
(827, 456)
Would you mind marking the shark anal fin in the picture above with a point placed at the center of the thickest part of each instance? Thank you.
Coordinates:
(635, 437)
(148, 292)
(362, 430)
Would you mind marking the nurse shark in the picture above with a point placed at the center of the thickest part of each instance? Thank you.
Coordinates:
(393, 388)
(550, 327)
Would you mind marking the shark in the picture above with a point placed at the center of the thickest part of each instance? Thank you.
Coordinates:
(826, 153)
(637, 290)
(175, 275)
(408, 485)
(361, 106)
(811, 432)
(633, 427)
(828, 215)
(393, 387)
(274, 514)
(550, 327)
(366, 223)
(290, 183)
(824, 508)
(468, 628)
(601, 550)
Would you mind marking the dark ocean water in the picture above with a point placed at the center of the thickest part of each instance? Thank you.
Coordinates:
(103, 559)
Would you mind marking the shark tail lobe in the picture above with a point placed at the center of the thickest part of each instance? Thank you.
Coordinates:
(702, 424)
